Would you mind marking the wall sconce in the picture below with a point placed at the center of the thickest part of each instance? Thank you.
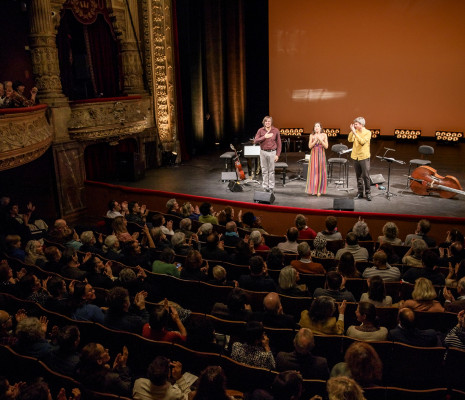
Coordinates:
(291, 131)
(407, 134)
(332, 132)
(375, 133)
(448, 137)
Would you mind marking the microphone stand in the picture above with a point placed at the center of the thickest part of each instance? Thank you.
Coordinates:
(389, 160)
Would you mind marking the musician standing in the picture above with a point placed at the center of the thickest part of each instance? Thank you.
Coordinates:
(361, 154)
(270, 148)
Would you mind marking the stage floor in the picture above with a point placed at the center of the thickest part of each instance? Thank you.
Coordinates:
(202, 176)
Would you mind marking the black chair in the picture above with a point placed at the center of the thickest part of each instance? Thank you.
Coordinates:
(341, 162)
(417, 162)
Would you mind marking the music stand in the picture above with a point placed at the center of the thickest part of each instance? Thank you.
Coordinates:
(389, 160)
(254, 153)
(302, 162)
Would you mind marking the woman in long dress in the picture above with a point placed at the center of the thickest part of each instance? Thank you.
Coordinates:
(316, 177)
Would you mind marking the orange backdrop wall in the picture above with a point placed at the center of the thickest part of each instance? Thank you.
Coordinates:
(398, 63)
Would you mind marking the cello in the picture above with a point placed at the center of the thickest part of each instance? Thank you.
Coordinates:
(237, 164)
(425, 180)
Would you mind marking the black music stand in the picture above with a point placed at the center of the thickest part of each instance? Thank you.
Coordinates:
(389, 160)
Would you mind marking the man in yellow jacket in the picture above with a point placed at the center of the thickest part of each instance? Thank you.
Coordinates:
(361, 155)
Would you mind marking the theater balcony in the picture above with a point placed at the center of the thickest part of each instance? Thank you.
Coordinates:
(109, 118)
(25, 135)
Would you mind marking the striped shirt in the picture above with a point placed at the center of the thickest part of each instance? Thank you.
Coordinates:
(453, 339)
(389, 274)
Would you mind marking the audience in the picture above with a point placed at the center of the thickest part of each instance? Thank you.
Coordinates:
(390, 233)
(369, 328)
(334, 287)
(305, 264)
(376, 292)
(290, 245)
(382, 268)
(455, 305)
(320, 317)
(320, 250)
(343, 388)
(273, 314)
(423, 227)
(207, 214)
(361, 230)
(114, 209)
(258, 241)
(430, 270)
(305, 232)
(406, 331)
(346, 266)
(158, 327)
(413, 256)
(331, 232)
(288, 278)
(423, 297)
(258, 279)
(456, 336)
(352, 246)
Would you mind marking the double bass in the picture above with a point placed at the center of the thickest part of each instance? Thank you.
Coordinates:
(237, 164)
(425, 180)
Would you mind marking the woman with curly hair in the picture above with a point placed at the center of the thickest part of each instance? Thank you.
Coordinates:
(361, 230)
(35, 253)
(390, 234)
(320, 317)
(344, 388)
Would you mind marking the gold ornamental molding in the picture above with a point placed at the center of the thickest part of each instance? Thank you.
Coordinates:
(105, 119)
(25, 135)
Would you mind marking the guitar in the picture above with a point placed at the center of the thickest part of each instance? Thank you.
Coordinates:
(237, 164)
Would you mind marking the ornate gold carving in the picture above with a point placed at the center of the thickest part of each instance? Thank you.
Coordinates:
(23, 137)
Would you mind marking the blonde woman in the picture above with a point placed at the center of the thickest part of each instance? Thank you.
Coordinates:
(423, 297)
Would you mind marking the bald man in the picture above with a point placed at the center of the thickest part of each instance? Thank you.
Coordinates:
(273, 315)
(302, 359)
(406, 331)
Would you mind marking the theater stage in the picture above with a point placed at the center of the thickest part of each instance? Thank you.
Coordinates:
(202, 176)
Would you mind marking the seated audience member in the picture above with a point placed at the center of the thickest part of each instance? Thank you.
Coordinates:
(376, 294)
(65, 358)
(390, 233)
(58, 301)
(320, 317)
(382, 268)
(334, 288)
(305, 232)
(172, 207)
(158, 385)
(242, 253)
(188, 211)
(121, 315)
(135, 254)
(211, 385)
(305, 264)
(287, 386)
(18, 98)
(159, 221)
(137, 214)
(202, 336)
(423, 227)
(207, 214)
(231, 237)
(159, 327)
(220, 277)
(13, 247)
(135, 281)
(166, 264)
(90, 244)
(8, 284)
(120, 230)
(452, 255)
(53, 255)
(302, 359)
(179, 244)
(331, 232)
(456, 336)
(423, 296)
(94, 372)
(227, 215)
(70, 265)
(255, 350)
(185, 226)
(57, 231)
(258, 279)
(111, 249)
(82, 308)
(320, 250)
(214, 249)
(258, 241)
(275, 259)
(7, 333)
(391, 254)
(100, 274)
(369, 328)
(430, 270)
(361, 230)
(343, 388)
(413, 256)
(237, 307)
(346, 266)
(193, 268)
(290, 245)
(204, 230)
(35, 253)
(71, 239)
(362, 363)
(30, 332)
(30, 288)
(252, 223)
(114, 209)
(160, 240)
(455, 305)
(288, 278)
(352, 246)
(273, 314)
(406, 331)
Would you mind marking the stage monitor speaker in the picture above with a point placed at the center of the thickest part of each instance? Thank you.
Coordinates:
(263, 197)
(375, 179)
(344, 204)
(235, 186)
(229, 176)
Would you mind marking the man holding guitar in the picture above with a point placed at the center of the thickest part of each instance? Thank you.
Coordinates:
(270, 149)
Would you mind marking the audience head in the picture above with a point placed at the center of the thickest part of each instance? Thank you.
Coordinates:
(5, 271)
(344, 388)
(360, 229)
(237, 299)
(331, 223)
(93, 356)
(287, 386)
(423, 226)
(212, 241)
(29, 330)
(304, 341)
(379, 258)
(272, 303)
(423, 290)
(193, 261)
(257, 265)
(172, 205)
(253, 333)
(13, 241)
(212, 384)
(351, 239)
(390, 230)
(206, 228)
(288, 278)
(158, 220)
(111, 243)
(333, 280)
(113, 205)
(461, 286)
(322, 308)
(118, 300)
(126, 276)
(376, 288)
(83, 293)
(133, 207)
(34, 247)
(364, 363)
(418, 247)
(185, 224)
(119, 225)
(56, 286)
(366, 312)
(249, 218)
(219, 273)
(53, 253)
(68, 338)
(346, 265)
(187, 209)
(320, 242)
(406, 318)
(455, 235)
(158, 371)
(304, 250)
(300, 222)
(178, 239)
(429, 259)
(159, 318)
(205, 209)
(167, 255)
(37, 390)
(231, 226)
(292, 234)
(275, 258)
(6, 321)
(256, 238)
(88, 238)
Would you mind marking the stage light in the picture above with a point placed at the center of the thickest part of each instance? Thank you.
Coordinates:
(332, 132)
(407, 134)
(448, 137)
(375, 133)
(291, 131)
